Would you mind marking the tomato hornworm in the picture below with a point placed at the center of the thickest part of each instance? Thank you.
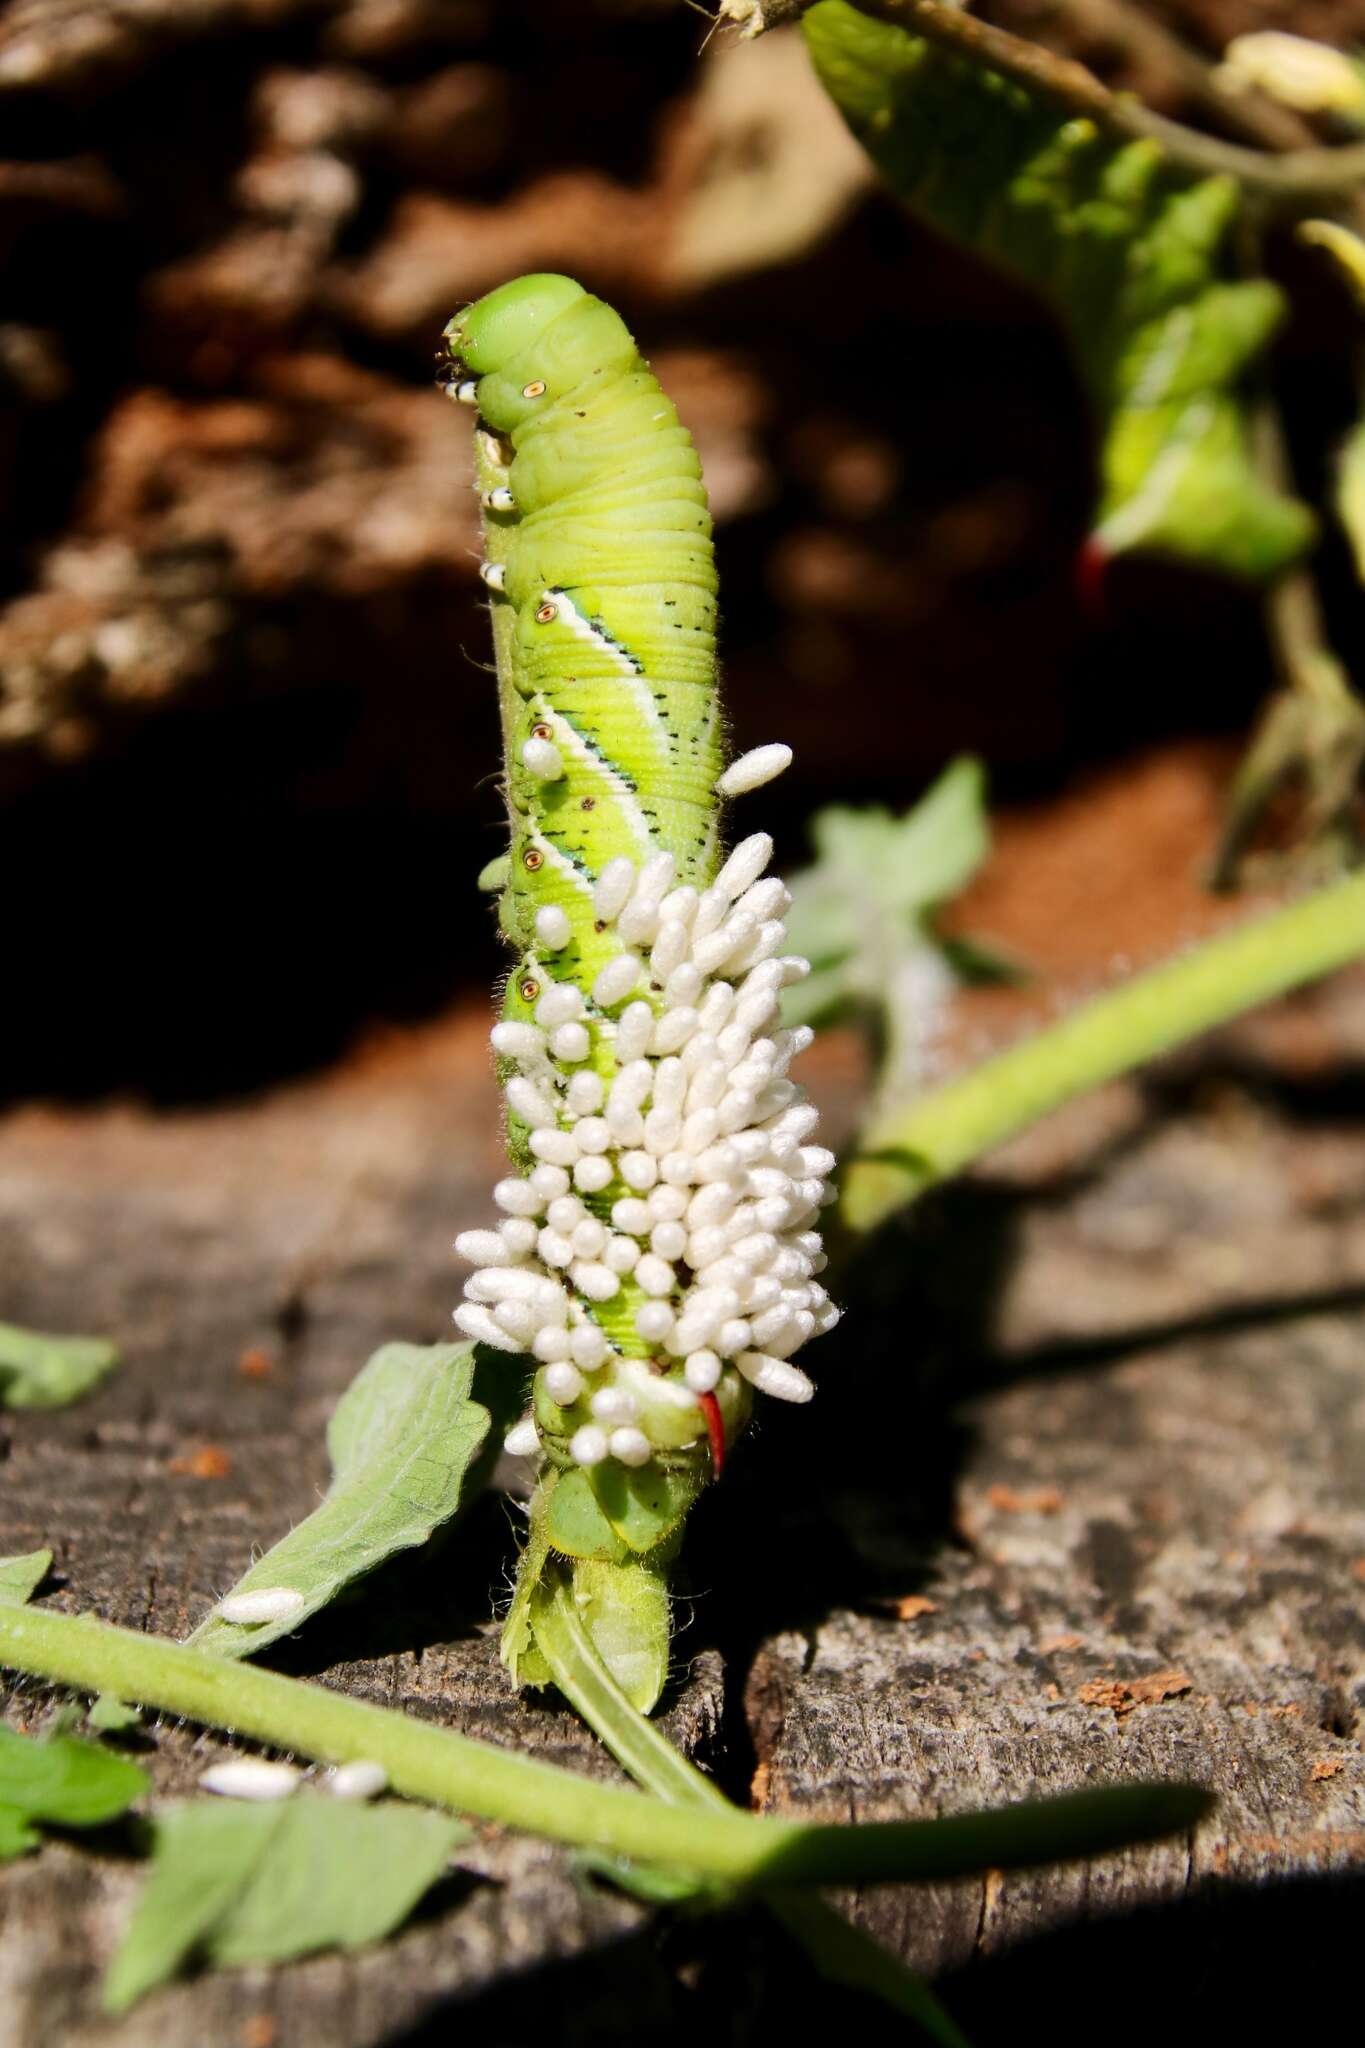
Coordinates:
(657, 1255)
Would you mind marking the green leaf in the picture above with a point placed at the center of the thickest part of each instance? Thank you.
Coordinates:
(1131, 257)
(62, 1781)
(21, 1576)
(404, 1443)
(204, 1857)
(844, 1954)
(240, 1884)
(1350, 494)
(42, 1371)
(863, 914)
(111, 1715)
(16, 1836)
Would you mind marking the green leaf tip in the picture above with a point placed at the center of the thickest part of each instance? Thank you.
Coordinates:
(21, 1576)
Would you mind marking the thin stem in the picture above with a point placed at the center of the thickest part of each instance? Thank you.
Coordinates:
(903, 1153)
(470, 1777)
(840, 1951)
(1295, 176)
(1129, 28)
(1312, 731)
(638, 1745)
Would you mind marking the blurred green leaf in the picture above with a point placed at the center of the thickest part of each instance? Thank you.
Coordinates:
(239, 1884)
(16, 1835)
(1350, 494)
(863, 913)
(1133, 258)
(62, 1781)
(42, 1371)
(405, 1443)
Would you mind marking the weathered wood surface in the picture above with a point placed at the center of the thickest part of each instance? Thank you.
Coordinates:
(1084, 1501)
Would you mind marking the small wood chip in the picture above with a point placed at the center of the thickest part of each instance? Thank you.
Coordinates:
(255, 1364)
(1162, 1685)
(1123, 1694)
(912, 1605)
(1327, 1767)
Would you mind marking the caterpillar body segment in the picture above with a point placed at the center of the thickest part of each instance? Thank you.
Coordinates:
(609, 578)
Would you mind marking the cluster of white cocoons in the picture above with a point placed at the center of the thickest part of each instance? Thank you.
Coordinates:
(696, 1148)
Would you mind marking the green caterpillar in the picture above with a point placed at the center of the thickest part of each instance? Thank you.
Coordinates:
(1129, 257)
(657, 1255)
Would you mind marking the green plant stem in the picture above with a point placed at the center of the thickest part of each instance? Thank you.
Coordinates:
(840, 1951)
(1312, 732)
(904, 1152)
(470, 1777)
(1296, 176)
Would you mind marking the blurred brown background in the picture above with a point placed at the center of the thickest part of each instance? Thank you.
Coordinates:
(247, 745)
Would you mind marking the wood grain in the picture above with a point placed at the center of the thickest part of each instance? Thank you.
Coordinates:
(1085, 1502)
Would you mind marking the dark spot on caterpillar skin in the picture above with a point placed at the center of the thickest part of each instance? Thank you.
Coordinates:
(542, 731)
(533, 858)
(599, 924)
(529, 990)
(589, 803)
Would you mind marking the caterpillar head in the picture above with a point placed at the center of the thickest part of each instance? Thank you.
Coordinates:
(488, 334)
(529, 343)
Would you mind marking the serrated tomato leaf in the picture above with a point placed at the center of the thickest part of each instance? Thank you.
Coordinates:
(409, 1446)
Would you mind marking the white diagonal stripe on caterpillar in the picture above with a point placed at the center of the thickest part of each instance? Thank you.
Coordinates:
(571, 740)
(630, 669)
(560, 860)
